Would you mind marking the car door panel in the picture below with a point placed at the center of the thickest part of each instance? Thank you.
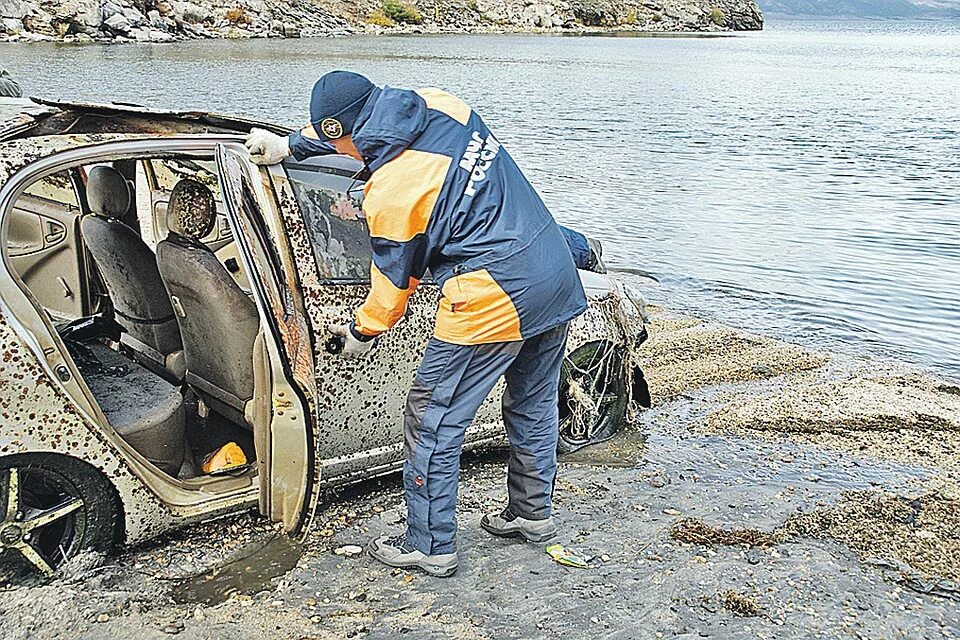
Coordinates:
(44, 248)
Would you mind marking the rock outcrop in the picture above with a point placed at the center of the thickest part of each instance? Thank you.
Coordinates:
(170, 20)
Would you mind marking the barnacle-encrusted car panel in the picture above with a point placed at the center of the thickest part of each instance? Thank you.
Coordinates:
(124, 364)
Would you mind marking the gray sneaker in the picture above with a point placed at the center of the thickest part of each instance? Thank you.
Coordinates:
(507, 525)
(395, 552)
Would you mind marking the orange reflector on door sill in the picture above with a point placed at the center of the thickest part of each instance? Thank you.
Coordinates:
(227, 458)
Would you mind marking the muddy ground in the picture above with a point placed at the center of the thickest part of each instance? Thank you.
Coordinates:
(772, 492)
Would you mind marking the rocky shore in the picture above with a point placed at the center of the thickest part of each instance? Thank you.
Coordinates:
(121, 21)
(771, 492)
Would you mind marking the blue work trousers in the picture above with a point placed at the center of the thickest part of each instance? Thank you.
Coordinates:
(451, 383)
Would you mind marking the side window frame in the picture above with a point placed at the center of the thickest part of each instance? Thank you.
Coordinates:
(342, 167)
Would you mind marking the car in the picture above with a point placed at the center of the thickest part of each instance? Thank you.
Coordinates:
(126, 361)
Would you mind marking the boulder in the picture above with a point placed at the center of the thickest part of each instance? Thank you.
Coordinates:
(16, 9)
(109, 9)
(155, 19)
(11, 25)
(31, 36)
(192, 12)
(39, 23)
(741, 15)
(118, 23)
(84, 13)
(156, 35)
(133, 16)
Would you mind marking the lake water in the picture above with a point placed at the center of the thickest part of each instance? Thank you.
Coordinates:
(803, 181)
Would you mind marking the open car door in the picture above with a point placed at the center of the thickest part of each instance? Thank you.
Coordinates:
(283, 431)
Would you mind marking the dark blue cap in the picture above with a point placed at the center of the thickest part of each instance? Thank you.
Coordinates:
(336, 102)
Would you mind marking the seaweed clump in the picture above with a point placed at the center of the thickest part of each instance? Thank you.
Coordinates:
(921, 532)
(741, 604)
(694, 531)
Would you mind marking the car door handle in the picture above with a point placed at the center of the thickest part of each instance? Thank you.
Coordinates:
(55, 233)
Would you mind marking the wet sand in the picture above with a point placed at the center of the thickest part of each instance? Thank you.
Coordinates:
(771, 492)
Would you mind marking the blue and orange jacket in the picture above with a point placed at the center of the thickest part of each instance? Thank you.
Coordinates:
(445, 196)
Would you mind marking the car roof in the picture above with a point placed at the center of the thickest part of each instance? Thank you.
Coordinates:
(16, 154)
(28, 117)
(20, 114)
(32, 128)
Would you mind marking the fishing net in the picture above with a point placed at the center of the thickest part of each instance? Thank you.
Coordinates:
(607, 375)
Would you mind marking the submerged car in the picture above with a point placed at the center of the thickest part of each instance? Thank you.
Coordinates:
(125, 361)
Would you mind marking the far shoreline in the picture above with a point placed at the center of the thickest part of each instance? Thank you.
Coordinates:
(617, 31)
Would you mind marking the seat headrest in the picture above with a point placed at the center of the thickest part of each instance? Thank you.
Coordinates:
(192, 210)
(108, 192)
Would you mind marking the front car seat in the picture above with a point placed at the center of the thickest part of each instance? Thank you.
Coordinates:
(129, 270)
(218, 321)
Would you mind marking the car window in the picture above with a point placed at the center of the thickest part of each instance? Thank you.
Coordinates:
(169, 171)
(55, 188)
(330, 198)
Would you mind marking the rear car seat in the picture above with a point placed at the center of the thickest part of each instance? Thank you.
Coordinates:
(146, 410)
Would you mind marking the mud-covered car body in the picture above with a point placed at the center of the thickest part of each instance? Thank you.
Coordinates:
(293, 236)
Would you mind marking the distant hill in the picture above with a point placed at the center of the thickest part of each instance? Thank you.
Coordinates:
(865, 8)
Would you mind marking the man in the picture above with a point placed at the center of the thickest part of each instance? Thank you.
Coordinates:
(444, 196)
(8, 86)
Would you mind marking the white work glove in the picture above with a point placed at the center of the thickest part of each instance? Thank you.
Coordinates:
(266, 147)
(352, 347)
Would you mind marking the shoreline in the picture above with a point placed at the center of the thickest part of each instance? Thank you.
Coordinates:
(580, 31)
(164, 21)
(771, 491)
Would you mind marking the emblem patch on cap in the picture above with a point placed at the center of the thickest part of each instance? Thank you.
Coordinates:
(331, 128)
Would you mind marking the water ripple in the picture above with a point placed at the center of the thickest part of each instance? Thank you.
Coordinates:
(804, 181)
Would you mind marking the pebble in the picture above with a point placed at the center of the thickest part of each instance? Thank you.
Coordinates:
(173, 628)
(391, 517)
(670, 512)
(658, 482)
(103, 617)
(348, 550)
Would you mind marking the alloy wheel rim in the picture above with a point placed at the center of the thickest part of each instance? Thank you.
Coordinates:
(32, 519)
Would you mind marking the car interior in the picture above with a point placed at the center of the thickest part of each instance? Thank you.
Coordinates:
(135, 264)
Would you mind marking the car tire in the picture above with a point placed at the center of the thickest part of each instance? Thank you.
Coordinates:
(597, 369)
(62, 506)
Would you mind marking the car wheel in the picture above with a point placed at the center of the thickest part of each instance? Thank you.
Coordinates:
(52, 508)
(593, 396)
